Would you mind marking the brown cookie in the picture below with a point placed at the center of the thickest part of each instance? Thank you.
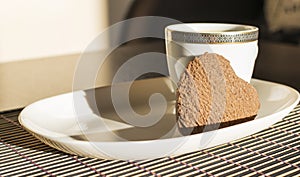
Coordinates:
(210, 96)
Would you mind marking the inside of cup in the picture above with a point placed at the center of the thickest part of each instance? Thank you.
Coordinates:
(211, 28)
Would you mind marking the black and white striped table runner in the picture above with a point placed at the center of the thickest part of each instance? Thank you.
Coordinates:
(272, 152)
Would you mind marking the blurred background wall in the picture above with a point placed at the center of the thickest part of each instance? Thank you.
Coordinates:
(33, 29)
(41, 41)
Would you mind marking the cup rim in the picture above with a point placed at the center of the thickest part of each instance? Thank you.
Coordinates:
(211, 33)
(229, 28)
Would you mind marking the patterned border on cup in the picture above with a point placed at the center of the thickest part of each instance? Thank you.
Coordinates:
(213, 38)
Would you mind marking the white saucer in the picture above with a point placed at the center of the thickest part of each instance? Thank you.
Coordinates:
(70, 123)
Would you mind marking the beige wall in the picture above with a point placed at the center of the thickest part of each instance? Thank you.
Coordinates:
(41, 42)
(34, 28)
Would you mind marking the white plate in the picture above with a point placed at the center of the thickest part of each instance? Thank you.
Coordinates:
(70, 123)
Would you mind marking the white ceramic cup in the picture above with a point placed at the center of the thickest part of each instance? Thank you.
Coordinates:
(237, 43)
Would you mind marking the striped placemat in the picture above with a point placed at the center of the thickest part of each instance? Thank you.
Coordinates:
(272, 152)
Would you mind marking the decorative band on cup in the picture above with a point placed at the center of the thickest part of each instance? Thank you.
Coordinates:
(213, 38)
